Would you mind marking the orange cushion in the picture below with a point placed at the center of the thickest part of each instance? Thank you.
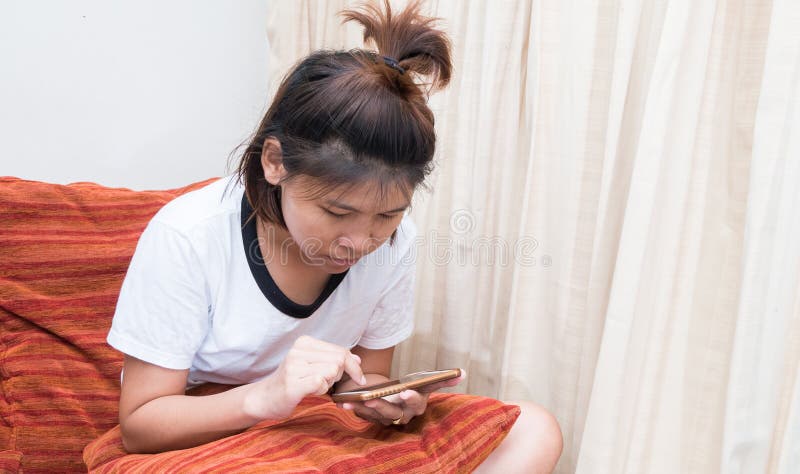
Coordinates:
(455, 434)
(64, 251)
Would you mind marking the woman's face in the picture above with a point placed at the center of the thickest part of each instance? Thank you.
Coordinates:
(334, 231)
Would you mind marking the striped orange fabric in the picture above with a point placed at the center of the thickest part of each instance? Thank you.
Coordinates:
(64, 251)
(9, 461)
(456, 434)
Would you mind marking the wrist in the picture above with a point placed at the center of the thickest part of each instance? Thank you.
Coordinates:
(257, 402)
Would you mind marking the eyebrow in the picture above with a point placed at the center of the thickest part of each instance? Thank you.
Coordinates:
(344, 206)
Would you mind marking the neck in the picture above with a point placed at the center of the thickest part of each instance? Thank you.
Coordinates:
(299, 281)
(277, 245)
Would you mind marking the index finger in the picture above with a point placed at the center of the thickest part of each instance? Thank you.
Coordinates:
(352, 367)
(351, 363)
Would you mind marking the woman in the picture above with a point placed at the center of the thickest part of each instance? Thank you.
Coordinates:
(294, 276)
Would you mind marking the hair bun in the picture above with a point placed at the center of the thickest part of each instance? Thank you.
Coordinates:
(408, 41)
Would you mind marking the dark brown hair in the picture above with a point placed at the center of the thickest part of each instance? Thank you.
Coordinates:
(350, 117)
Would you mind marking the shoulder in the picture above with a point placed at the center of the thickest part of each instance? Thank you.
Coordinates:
(220, 200)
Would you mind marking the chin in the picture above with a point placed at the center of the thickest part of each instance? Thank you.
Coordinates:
(338, 265)
(334, 271)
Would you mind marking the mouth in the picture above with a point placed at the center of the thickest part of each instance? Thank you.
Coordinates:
(342, 262)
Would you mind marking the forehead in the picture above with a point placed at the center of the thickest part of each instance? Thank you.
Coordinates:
(368, 195)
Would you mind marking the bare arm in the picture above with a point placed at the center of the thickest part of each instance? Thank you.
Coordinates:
(156, 415)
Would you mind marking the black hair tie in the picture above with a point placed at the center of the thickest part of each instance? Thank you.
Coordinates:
(392, 63)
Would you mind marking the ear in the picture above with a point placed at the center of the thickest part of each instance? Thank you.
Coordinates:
(272, 161)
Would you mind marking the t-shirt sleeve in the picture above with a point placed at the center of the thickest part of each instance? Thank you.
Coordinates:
(162, 312)
(392, 320)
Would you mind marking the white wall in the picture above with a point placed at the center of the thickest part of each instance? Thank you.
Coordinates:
(141, 94)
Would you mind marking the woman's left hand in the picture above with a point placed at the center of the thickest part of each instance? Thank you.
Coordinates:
(400, 408)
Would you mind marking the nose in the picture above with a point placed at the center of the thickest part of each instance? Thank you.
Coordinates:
(354, 245)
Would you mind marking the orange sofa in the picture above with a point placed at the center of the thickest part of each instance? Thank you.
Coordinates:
(64, 250)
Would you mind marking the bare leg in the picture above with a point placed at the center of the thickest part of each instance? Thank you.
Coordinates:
(533, 445)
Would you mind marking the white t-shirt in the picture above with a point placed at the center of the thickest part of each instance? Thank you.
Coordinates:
(194, 298)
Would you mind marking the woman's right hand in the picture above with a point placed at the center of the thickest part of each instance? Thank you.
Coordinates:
(311, 367)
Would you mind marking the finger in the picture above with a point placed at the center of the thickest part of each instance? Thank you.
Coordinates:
(348, 362)
(330, 371)
(351, 363)
(407, 398)
(366, 413)
(352, 367)
(387, 410)
(394, 398)
(314, 384)
(415, 402)
(297, 369)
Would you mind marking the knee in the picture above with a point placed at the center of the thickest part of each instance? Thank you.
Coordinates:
(541, 429)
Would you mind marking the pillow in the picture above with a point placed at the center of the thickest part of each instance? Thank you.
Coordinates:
(455, 434)
(9, 461)
(64, 251)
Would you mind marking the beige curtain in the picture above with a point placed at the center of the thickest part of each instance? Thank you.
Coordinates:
(614, 226)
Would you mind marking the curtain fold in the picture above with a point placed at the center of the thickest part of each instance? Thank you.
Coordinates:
(612, 224)
(762, 423)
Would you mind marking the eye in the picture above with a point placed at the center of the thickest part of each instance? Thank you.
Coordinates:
(338, 216)
(388, 216)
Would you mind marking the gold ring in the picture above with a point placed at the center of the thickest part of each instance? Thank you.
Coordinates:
(397, 421)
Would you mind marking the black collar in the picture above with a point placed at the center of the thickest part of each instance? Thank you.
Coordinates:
(255, 260)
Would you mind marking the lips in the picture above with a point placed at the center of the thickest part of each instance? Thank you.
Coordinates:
(343, 261)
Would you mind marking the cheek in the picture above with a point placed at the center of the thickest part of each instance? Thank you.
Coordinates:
(381, 231)
(383, 228)
(305, 229)
(391, 226)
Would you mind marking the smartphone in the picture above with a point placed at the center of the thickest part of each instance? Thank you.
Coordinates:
(406, 382)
